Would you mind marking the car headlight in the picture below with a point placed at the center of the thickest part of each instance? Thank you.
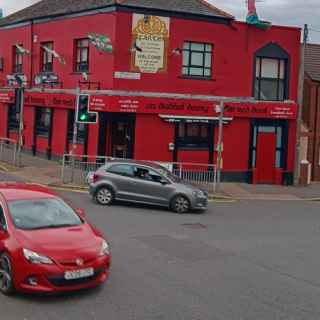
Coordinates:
(105, 249)
(36, 258)
(199, 193)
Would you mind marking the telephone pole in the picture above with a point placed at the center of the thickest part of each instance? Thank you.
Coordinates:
(300, 105)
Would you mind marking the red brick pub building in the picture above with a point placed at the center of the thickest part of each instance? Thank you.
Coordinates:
(154, 93)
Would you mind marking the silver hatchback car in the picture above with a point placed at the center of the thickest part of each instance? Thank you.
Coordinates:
(145, 182)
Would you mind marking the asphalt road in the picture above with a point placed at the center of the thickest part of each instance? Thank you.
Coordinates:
(240, 261)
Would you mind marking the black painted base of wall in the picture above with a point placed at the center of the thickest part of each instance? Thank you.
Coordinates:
(246, 177)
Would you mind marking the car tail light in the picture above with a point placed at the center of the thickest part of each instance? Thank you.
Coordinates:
(95, 177)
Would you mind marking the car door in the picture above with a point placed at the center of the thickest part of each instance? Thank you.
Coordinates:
(149, 186)
(120, 177)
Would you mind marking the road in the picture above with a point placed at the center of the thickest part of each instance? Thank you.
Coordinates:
(248, 260)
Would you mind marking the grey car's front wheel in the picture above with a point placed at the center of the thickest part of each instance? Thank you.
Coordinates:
(180, 204)
(104, 196)
(6, 276)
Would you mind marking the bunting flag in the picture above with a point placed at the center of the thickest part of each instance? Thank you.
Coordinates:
(253, 19)
(22, 50)
(101, 42)
(54, 54)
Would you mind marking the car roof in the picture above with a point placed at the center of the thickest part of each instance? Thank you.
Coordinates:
(133, 162)
(24, 191)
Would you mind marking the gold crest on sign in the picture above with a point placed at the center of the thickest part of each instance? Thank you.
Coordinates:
(151, 26)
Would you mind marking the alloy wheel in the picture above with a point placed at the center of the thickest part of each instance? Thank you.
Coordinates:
(181, 205)
(104, 196)
(5, 274)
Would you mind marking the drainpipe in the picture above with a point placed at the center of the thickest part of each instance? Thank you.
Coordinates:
(300, 106)
(31, 52)
(315, 135)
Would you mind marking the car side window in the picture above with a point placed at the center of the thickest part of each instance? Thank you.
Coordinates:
(2, 219)
(147, 174)
(121, 169)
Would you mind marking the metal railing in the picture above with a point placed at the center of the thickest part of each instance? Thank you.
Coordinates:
(9, 151)
(75, 169)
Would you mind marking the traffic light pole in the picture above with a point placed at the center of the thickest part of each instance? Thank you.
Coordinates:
(74, 136)
(20, 101)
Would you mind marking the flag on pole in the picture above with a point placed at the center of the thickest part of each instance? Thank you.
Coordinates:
(54, 54)
(252, 17)
(101, 42)
(22, 50)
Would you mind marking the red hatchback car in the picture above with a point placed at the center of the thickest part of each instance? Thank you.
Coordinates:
(45, 245)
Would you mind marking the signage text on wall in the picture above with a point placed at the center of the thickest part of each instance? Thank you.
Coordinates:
(150, 39)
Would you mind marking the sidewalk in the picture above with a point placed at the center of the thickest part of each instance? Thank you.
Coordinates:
(42, 171)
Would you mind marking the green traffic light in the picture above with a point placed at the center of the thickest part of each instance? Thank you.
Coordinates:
(83, 117)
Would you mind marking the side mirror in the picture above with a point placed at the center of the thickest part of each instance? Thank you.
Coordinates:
(80, 212)
(164, 182)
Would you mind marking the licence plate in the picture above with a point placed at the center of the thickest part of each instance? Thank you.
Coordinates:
(78, 274)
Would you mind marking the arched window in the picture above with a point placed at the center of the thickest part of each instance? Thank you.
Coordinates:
(271, 73)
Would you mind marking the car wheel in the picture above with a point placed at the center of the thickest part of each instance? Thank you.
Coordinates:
(180, 204)
(104, 196)
(6, 275)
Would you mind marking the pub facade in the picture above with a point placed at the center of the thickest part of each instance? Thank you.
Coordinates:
(154, 77)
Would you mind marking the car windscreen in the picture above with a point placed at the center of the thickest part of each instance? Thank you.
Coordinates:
(42, 214)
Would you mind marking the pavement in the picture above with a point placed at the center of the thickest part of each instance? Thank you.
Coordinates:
(46, 172)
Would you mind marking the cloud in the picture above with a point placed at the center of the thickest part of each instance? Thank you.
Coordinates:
(281, 12)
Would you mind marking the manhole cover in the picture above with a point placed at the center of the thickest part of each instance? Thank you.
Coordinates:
(194, 225)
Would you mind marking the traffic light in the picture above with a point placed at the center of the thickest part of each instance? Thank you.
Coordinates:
(83, 113)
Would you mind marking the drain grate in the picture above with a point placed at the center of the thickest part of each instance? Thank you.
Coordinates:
(196, 225)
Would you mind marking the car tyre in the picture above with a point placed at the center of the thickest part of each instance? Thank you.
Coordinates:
(104, 196)
(6, 275)
(180, 204)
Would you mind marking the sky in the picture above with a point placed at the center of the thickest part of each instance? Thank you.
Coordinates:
(283, 12)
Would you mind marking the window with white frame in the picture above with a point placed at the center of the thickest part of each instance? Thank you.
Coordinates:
(197, 59)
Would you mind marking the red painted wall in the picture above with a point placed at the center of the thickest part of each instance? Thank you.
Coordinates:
(232, 59)
(3, 119)
(152, 138)
(236, 141)
(59, 133)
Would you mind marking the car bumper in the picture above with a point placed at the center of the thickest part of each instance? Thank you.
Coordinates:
(199, 203)
(50, 278)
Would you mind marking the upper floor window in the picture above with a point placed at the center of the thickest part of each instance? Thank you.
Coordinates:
(197, 60)
(46, 57)
(271, 74)
(13, 118)
(43, 121)
(270, 79)
(17, 60)
(81, 55)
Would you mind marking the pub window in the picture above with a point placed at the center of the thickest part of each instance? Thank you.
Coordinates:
(13, 118)
(193, 135)
(43, 121)
(81, 58)
(81, 132)
(270, 79)
(17, 64)
(197, 60)
(46, 57)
